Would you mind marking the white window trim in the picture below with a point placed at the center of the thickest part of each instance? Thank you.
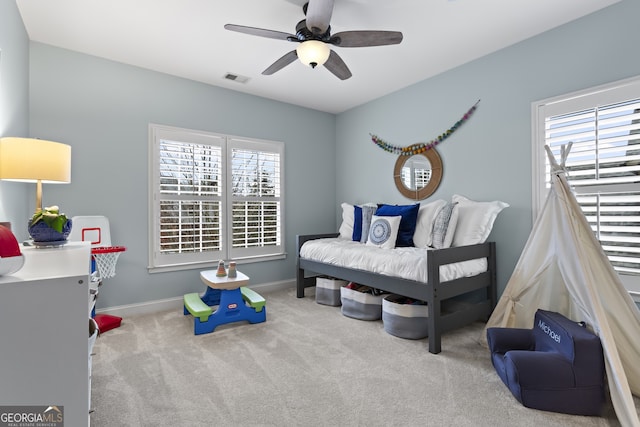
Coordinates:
(156, 132)
(609, 93)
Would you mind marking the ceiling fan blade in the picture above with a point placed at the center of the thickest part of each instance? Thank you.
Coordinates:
(281, 63)
(366, 38)
(279, 35)
(336, 65)
(319, 15)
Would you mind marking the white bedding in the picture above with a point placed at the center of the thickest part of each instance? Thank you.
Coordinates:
(407, 263)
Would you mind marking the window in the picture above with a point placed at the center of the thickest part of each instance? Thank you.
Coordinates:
(213, 197)
(603, 167)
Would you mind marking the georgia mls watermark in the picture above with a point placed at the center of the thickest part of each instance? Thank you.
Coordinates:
(31, 416)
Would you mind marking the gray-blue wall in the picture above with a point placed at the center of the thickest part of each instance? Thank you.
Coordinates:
(102, 109)
(489, 157)
(14, 107)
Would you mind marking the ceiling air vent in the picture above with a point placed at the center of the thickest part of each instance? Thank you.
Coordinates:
(236, 78)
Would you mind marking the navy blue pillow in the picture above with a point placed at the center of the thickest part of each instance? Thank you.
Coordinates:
(357, 224)
(409, 214)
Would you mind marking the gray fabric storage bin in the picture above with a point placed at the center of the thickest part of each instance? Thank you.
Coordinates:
(360, 305)
(405, 320)
(328, 290)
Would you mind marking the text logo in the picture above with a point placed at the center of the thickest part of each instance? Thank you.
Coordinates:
(32, 416)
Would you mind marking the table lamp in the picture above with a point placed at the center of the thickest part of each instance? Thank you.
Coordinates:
(35, 160)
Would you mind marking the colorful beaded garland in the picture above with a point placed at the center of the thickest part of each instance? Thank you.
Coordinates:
(421, 147)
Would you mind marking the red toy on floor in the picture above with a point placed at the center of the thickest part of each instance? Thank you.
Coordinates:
(106, 322)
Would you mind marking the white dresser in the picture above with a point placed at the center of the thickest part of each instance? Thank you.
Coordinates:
(44, 331)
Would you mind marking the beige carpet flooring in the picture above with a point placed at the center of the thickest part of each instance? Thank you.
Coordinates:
(307, 365)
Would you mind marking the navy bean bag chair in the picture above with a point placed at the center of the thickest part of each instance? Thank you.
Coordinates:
(557, 366)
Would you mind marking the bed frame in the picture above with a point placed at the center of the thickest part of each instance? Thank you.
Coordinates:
(433, 293)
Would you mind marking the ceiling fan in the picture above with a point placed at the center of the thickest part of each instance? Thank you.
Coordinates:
(314, 35)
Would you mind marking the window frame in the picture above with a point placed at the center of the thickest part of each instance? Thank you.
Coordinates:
(158, 262)
(597, 96)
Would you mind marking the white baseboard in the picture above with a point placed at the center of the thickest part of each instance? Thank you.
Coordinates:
(175, 303)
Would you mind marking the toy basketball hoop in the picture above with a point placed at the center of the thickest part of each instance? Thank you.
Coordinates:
(106, 258)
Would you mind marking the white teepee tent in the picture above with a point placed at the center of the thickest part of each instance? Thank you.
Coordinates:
(564, 269)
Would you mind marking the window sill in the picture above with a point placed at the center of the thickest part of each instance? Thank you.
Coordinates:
(212, 264)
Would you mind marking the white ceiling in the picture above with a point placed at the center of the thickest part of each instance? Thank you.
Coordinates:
(186, 38)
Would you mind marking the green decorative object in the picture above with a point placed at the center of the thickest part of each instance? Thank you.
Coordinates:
(49, 226)
(51, 216)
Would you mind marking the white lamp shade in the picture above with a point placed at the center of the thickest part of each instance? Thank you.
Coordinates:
(32, 160)
(313, 53)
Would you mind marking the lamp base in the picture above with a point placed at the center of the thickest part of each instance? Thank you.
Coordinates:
(53, 244)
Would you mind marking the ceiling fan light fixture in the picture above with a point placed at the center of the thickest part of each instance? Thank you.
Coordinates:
(313, 53)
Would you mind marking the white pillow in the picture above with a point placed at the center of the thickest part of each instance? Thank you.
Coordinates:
(424, 225)
(384, 231)
(346, 228)
(475, 220)
(444, 226)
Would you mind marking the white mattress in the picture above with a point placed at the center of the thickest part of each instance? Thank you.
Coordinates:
(407, 263)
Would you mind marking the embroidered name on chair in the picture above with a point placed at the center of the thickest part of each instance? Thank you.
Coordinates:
(547, 330)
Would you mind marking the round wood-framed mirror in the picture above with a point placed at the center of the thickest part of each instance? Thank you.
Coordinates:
(419, 175)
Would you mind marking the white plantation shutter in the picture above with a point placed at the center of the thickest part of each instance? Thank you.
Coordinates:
(603, 167)
(255, 198)
(208, 190)
(190, 188)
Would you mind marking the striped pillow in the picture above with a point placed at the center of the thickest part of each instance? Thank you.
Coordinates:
(444, 226)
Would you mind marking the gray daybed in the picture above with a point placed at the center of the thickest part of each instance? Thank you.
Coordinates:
(434, 292)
